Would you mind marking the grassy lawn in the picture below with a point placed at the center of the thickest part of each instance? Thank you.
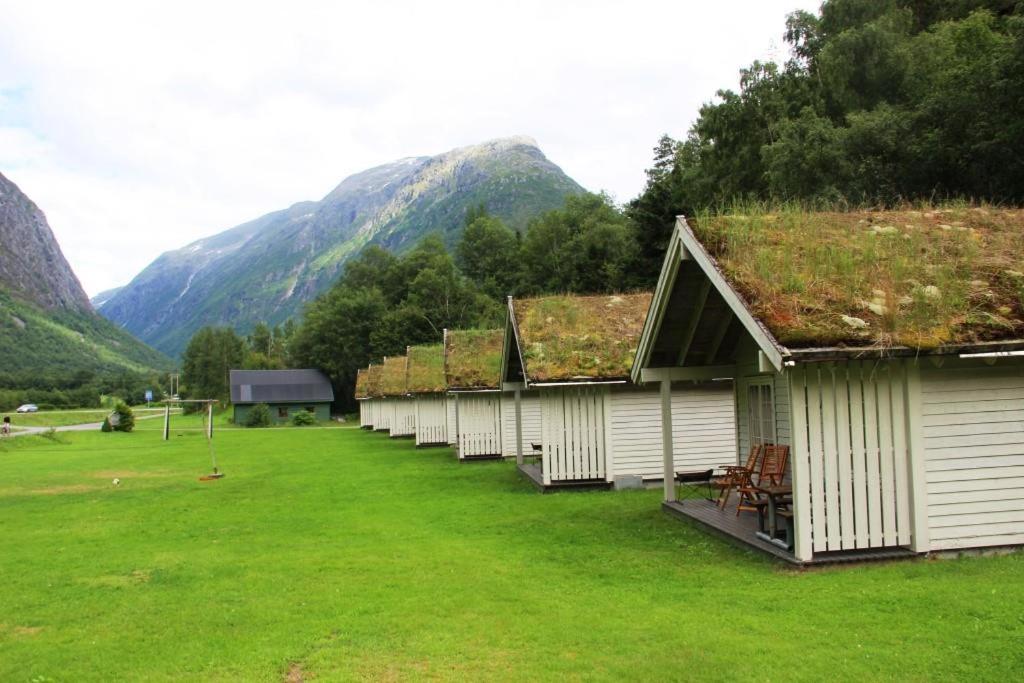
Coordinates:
(341, 554)
(63, 418)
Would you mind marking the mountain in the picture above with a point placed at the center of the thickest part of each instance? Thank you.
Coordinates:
(103, 297)
(266, 269)
(47, 325)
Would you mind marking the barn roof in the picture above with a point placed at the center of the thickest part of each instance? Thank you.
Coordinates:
(426, 369)
(280, 386)
(922, 279)
(579, 338)
(472, 359)
(393, 379)
(374, 375)
(362, 383)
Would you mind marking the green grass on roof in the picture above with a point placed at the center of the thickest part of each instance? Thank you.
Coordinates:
(362, 383)
(920, 278)
(374, 375)
(580, 337)
(473, 359)
(426, 369)
(393, 377)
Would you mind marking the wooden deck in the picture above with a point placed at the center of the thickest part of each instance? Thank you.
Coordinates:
(532, 471)
(741, 530)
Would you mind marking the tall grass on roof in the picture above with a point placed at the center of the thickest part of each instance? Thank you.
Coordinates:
(921, 277)
(580, 337)
(374, 374)
(426, 369)
(473, 358)
(392, 381)
(362, 383)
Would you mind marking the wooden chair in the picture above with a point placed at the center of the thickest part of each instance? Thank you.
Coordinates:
(771, 473)
(736, 476)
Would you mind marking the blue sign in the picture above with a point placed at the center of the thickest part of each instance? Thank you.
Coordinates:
(149, 395)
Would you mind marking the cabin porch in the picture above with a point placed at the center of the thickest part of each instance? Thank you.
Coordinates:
(534, 473)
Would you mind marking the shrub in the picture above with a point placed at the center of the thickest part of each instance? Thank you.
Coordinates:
(303, 418)
(259, 416)
(125, 421)
(106, 426)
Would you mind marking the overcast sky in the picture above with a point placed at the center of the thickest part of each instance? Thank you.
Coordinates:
(140, 126)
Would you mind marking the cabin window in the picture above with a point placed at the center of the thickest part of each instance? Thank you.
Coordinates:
(760, 411)
(311, 409)
(282, 411)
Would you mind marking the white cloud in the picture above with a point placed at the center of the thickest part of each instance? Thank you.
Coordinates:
(141, 126)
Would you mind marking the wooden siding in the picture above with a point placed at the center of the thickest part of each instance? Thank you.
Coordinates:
(573, 433)
(479, 419)
(385, 414)
(530, 402)
(854, 446)
(973, 428)
(364, 413)
(703, 429)
(453, 426)
(404, 420)
(431, 419)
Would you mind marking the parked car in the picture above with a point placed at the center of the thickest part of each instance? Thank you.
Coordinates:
(28, 408)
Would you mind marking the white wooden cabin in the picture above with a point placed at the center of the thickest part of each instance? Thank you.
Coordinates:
(374, 402)
(401, 407)
(363, 400)
(472, 366)
(426, 384)
(595, 427)
(893, 451)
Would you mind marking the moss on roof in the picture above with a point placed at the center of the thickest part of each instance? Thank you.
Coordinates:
(473, 359)
(426, 369)
(393, 377)
(566, 338)
(920, 278)
(362, 383)
(374, 374)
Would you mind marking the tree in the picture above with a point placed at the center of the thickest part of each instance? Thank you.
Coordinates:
(489, 255)
(211, 354)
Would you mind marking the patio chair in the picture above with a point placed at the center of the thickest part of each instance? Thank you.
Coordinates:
(736, 476)
(771, 473)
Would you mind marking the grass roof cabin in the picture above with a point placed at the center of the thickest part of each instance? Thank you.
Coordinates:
(380, 415)
(362, 396)
(286, 392)
(397, 402)
(472, 368)
(882, 349)
(574, 354)
(426, 384)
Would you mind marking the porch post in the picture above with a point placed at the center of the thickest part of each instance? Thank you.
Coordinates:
(920, 537)
(519, 428)
(668, 457)
(803, 548)
(458, 430)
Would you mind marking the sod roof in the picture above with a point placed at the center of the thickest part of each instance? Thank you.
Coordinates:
(568, 338)
(393, 377)
(922, 278)
(362, 383)
(426, 369)
(374, 375)
(473, 359)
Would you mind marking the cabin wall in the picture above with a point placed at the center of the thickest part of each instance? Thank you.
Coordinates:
(479, 421)
(404, 421)
(574, 433)
(364, 413)
(431, 419)
(452, 420)
(530, 409)
(703, 429)
(385, 414)
(973, 429)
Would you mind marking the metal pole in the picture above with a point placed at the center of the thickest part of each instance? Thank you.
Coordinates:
(167, 421)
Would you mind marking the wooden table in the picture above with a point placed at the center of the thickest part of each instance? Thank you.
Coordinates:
(774, 495)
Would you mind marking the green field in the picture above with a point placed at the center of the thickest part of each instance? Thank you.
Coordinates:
(338, 554)
(63, 418)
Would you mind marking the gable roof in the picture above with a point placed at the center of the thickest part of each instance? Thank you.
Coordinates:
(570, 338)
(392, 379)
(426, 369)
(808, 285)
(362, 383)
(472, 358)
(279, 386)
(374, 374)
